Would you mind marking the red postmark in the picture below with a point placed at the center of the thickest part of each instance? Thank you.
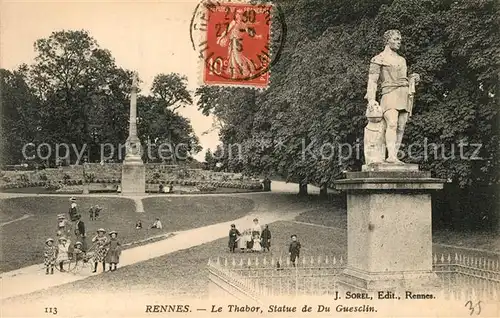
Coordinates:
(236, 49)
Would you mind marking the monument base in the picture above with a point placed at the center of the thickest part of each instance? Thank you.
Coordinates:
(133, 179)
(389, 221)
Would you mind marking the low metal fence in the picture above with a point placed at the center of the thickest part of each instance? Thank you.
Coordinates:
(460, 276)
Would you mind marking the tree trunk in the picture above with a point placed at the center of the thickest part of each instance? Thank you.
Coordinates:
(303, 188)
(323, 190)
(172, 147)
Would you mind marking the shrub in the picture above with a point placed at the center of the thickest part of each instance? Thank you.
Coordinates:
(43, 177)
(53, 186)
(6, 179)
(182, 174)
(23, 178)
(89, 177)
(206, 187)
(66, 177)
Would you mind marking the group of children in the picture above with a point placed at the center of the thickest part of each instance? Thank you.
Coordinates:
(253, 240)
(104, 250)
(257, 240)
(94, 212)
(107, 250)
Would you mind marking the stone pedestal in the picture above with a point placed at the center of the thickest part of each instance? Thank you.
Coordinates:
(133, 178)
(389, 227)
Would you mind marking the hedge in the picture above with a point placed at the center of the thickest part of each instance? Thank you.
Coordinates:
(193, 183)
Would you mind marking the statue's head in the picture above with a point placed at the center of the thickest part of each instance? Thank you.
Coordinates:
(392, 38)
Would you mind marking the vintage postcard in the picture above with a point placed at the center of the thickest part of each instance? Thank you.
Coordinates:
(249, 158)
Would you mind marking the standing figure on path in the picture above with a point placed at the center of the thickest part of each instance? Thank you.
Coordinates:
(78, 252)
(97, 211)
(241, 242)
(397, 91)
(73, 210)
(49, 256)
(62, 252)
(249, 240)
(80, 232)
(91, 213)
(294, 249)
(234, 235)
(114, 250)
(100, 241)
(256, 229)
(266, 238)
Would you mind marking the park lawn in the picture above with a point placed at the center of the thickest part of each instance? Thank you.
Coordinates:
(184, 273)
(23, 240)
(336, 217)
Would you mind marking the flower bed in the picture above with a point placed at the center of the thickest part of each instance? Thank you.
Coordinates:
(70, 189)
(72, 176)
(255, 185)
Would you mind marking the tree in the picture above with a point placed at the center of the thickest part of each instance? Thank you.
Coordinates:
(19, 116)
(167, 134)
(209, 160)
(74, 93)
(78, 82)
(172, 90)
(316, 96)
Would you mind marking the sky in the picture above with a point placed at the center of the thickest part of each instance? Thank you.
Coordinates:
(150, 37)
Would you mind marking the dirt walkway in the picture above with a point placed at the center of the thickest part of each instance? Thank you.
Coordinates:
(18, 219)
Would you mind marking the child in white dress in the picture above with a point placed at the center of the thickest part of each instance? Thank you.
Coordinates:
(256, 243)
(62, 252)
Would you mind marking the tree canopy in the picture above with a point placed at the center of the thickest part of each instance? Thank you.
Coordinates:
(74, 93)
(317, 88)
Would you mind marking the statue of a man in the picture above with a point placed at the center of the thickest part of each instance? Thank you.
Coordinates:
(396, 102)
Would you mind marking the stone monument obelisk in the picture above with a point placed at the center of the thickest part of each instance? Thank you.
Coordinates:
(133, 169)
(389, 240)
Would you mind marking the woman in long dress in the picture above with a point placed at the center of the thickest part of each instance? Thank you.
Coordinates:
(238, 63)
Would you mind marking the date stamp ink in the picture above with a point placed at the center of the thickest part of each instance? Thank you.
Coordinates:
(234, 42)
